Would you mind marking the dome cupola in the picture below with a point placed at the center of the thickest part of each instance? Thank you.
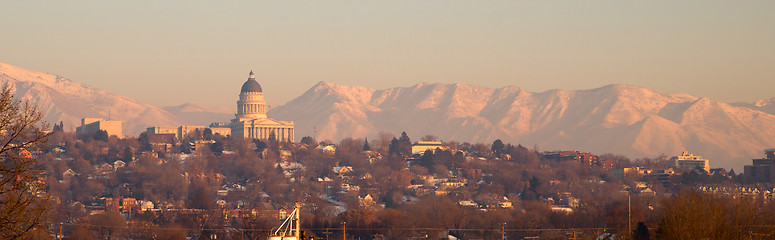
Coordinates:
(251, 85)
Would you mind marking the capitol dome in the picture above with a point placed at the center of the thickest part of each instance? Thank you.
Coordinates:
(251, 121)
(251, 85)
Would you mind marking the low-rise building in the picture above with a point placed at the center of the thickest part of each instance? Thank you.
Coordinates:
(161, 130)
(119, 164)
(342, 170)
(366, 201)
(763, 169)
(327, 149)
(185, 130)
(92, 125)
(223, 131)
(68, 174)
(582, 157)
(451, 185)
(421, 146)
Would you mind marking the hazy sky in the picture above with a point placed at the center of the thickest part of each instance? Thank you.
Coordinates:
(172, 52)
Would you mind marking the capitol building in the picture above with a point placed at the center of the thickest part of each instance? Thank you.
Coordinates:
(251, 121)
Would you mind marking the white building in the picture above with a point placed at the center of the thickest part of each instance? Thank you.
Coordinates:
(251, 121)
(690, 161)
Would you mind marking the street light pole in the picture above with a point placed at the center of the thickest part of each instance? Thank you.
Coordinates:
(344, 230)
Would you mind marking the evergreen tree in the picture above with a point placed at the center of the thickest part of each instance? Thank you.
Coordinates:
(366, 146)
(101, 135)
(196, 134)
(272, 137)
(394, 148)
(145, 143)
(185, 147)
(59, 128)
(405, 144)
(498, 147)
(128, 153)
(641, 232)
(207, 134)
(260, 145)
(307, 140)
(534, 183)
(217, 147)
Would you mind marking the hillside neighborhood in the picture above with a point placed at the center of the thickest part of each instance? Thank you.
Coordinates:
(213, 185)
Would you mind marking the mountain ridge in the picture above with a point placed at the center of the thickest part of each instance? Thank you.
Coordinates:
(61, 99)
(764, 105)
(617, 118)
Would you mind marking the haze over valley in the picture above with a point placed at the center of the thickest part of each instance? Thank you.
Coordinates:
(387, 120)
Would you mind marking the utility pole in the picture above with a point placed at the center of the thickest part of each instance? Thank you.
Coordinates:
(503, 231)
(298, 221)
(574, 234)
(629, 213)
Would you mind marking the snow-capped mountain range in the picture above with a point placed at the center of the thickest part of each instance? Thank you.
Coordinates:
(621, 119)
(61, 99)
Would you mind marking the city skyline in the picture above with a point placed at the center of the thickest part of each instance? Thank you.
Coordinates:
(171, 53)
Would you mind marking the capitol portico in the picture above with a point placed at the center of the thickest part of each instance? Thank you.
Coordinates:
(251, 121)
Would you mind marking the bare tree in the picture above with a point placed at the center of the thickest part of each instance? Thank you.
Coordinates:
(383, 140)
(22, 196)
(694, 215)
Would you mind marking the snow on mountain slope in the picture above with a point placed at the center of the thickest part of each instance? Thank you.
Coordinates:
(193, 114)
(766, 105)
(60, 99)
(623, 119)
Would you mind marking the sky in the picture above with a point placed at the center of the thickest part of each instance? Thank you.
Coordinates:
(167, 53)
